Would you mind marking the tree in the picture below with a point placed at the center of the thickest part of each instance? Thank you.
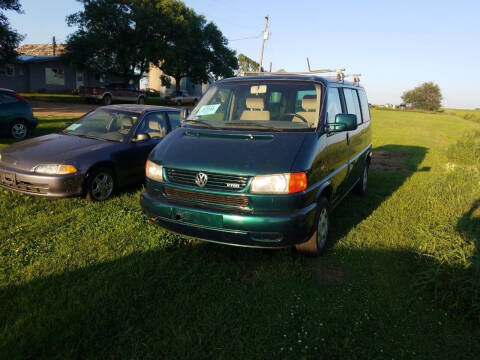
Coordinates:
(246, 64)
(119, 37)
(9, 38)
(196, 48)
(426, 96)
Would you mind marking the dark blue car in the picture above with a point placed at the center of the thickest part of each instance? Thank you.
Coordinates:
(16, 115)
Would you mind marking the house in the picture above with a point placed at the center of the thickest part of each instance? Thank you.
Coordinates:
(40, 68)
(155, 82)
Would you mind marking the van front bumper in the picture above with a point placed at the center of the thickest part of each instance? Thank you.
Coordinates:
(272, 230)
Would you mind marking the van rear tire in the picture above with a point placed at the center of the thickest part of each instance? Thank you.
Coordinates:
(361, 187)
(316, 245)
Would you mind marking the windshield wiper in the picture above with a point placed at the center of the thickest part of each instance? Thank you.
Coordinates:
(201, 122)
(249, 124)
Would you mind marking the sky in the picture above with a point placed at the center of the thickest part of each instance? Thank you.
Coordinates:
(395, 45)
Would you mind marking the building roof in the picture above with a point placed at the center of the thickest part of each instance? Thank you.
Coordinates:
(30, 58)
(41, 49)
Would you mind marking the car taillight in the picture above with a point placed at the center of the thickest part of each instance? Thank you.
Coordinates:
(19, 97)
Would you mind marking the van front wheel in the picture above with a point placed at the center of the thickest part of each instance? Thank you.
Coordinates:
(361, 187)
(317, 243)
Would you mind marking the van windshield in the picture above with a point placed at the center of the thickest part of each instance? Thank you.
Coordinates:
(270, 104)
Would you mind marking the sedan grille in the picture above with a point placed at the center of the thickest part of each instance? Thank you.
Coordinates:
(193, 196)
(215, 181)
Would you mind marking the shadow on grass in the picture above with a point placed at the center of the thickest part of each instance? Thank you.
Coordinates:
(382, 184)
(191, 302)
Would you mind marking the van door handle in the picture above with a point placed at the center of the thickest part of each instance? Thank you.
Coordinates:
(348, 139)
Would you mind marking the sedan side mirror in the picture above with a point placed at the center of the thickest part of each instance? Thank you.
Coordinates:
(343, 122)
(141, 137)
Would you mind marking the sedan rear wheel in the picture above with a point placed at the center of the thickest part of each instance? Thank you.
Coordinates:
(18, 129)
(100, 185)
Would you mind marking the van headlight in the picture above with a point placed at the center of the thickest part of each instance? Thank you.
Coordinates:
(287, 183)
(154, 171)
(55, 169)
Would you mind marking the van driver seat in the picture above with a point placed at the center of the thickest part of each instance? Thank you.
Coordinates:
(309, 104)
(255, 106)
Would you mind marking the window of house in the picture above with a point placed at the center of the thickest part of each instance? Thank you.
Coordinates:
(7, 70)
(54, 76)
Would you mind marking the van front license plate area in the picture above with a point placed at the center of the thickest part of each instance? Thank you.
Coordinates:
(198, 218)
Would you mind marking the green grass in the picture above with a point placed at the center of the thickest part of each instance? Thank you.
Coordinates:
(401, 279)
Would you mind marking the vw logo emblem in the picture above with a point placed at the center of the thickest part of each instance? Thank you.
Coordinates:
(201, 179)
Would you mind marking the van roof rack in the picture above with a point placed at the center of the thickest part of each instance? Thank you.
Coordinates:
(340, 73)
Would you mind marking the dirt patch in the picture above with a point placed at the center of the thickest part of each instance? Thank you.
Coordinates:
(47, 109)
(389, 161)
(323, 273)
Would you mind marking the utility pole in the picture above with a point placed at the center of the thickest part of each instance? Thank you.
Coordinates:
(54, 46)
(265, 37)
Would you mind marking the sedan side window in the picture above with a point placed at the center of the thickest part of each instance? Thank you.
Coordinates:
(334, 105)
(154, 125)
(7, 99)
(174, 118)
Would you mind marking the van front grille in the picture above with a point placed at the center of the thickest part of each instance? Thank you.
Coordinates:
(193, 196)
(215, 181)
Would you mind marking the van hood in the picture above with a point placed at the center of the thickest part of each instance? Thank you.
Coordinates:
(233, 152)
(48, 149)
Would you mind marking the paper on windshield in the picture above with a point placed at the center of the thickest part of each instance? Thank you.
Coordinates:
(208, 109)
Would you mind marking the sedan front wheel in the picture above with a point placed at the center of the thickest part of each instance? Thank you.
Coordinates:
(100, 185)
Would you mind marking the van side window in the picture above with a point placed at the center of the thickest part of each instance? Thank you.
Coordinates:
(353, 105)
(364, 105)
(334, 105)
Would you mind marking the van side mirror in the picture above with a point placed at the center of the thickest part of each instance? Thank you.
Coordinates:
(343, 122)
(184, 114)
(140, 137)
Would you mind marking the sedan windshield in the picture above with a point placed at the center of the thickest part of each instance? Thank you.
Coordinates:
(104, 124)
(276, 105)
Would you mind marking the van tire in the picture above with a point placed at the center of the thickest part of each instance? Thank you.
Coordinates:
(316, 245)
(361, 187)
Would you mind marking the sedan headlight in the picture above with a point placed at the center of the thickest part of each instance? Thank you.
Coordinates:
(154, 171)
(55, 169)
(287, 183)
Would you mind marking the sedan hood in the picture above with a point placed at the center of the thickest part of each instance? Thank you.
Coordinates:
(233, 152)
(48, 149)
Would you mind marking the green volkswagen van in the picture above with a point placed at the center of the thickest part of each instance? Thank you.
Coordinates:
(262, 161)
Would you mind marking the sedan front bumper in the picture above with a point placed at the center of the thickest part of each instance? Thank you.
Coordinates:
(55, 186)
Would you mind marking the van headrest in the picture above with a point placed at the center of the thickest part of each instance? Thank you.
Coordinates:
(309, 102)
(256, 103)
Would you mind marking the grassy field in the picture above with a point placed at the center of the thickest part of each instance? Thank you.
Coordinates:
(401, 279)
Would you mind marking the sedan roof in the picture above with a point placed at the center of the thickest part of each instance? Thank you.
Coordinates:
(139, 108)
